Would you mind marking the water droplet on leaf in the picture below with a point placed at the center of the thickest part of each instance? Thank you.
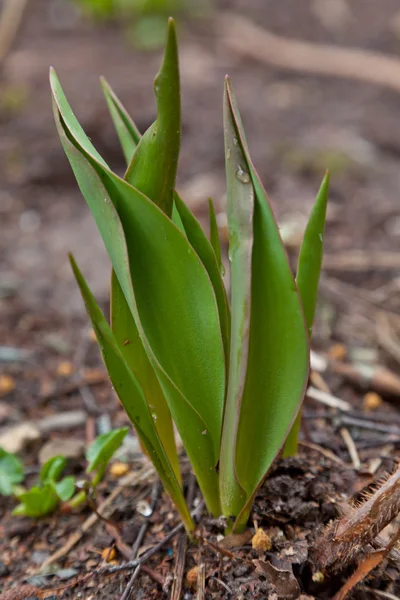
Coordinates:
(243, 176)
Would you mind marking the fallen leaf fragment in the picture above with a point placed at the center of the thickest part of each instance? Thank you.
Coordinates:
(191, 577)
(108, 554)
(281, 578)
(372, 401)
(119, 469)
(65, 368)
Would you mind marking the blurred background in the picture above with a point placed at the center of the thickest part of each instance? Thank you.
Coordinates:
(318, 85)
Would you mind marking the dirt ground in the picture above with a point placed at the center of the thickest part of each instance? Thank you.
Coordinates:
(297, 125)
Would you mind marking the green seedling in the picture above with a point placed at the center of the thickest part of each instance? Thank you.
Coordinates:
(101, 451)
(98, 455)
(44, 498)
(230, 375)
(11, 472)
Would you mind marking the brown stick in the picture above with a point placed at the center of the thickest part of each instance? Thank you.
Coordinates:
(244, 37)
(10, 20)
(179, 570)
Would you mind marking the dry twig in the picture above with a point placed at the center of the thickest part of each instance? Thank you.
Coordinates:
(201, 582)
(10, 20)
(179, 568)
(327, 399)
(246, 38)
(351, 447)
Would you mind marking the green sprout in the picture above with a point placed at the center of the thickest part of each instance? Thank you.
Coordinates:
(44, 498)
(230, 375)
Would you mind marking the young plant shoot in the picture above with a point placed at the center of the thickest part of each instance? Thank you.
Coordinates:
(230, 375)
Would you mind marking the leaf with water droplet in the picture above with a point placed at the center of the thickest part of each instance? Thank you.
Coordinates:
(242, 175)
(268, 334)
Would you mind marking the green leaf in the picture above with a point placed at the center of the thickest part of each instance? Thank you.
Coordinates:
(65, 488)
(122, 321)
(278, 351)
(240, 208)
(311, 252)
(214, 236)
(201, 245)
(307, 278)
(101, 450)
(153, 167)
(176, 218)
(127, 336)
(128, 134)
(168, 292)
(11, 472)
(52, 469)
(131, 396)
(37, 502)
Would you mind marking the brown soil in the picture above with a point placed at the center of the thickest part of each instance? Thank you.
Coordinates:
(296, 126)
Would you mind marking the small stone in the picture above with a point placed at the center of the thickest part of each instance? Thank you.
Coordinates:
(68, 447)
(144, 508)
(15, 439)
(108, 554)
(66, 573)
(39, 556)
(119, 469)
(65, 368)
(372, 401)
(337, 352)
